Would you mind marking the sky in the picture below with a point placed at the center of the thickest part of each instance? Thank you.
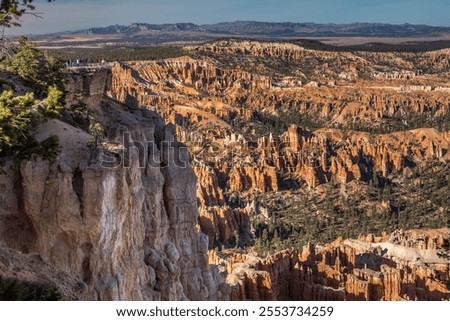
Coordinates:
(65, 15)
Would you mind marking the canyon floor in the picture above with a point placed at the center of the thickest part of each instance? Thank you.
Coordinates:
(282, 173)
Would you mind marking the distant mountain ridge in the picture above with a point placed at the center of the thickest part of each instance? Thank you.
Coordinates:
(276, 29)
(138, 27)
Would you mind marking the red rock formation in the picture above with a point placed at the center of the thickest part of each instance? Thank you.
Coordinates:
(205, 95)
(345, 270)
(315, 157)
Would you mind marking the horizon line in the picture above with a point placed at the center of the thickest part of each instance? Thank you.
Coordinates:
(236, 21)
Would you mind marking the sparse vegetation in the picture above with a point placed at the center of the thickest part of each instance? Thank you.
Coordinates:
(19, 114)
(37, 70)
(265, 123)
(414, 201)
(93, 55)
(15, 290)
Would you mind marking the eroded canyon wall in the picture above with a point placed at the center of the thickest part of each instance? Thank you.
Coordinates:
(204, 98)
(411, 265)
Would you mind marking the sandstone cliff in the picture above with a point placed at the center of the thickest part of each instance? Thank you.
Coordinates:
(120, 219)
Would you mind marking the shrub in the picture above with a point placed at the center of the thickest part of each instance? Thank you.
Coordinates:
(14, 290)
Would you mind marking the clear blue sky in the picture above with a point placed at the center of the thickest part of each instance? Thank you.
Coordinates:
(64, 15)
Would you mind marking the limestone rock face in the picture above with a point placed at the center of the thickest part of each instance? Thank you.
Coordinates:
(120, 216)
(346, 270)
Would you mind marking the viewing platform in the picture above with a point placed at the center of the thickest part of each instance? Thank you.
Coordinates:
(88, 67)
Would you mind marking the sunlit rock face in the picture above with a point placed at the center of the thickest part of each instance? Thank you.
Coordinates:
(124, 225)
(410, 265)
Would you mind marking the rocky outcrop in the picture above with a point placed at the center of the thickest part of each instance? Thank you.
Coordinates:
(89, 84)
(122, 212)
(323, 156)
(119, 216)
(29, 277)
(249, 178)
(418, 239)
(284, 51)
(345, 270)
(343, 156)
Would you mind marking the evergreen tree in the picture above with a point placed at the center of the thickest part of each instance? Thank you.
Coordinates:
(54, 103)
(15, 121)
(12, 10)
(37, 70)
(258, 247)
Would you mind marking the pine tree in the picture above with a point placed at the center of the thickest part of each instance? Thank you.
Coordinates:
(36, 70)
(258, 247)
(12, 10)
(54, 103)
(277, 242)
(15, 121)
